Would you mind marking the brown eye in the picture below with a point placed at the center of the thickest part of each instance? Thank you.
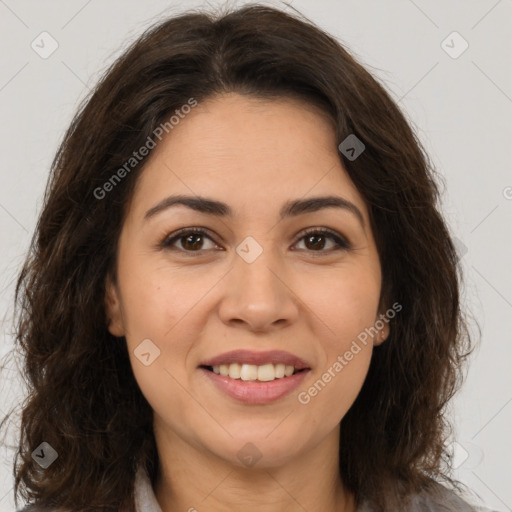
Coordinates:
(191, 240)
(315, 240)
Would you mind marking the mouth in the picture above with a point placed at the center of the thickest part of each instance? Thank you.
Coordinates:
(255, 377)
(249, 365)
(258, 373)
(255, 385)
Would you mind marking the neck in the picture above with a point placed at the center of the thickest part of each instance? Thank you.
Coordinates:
(194, 481)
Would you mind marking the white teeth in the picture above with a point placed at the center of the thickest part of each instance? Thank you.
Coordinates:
(280, 370)
(263, 373)
(249, 372)
(235, 370)
(266, 372)
(288, 370)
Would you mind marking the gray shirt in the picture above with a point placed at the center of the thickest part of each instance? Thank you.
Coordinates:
(442, 501)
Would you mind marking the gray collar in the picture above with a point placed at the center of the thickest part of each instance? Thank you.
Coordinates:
(145, 499)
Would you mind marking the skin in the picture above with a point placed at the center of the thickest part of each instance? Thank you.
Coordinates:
(313, 301)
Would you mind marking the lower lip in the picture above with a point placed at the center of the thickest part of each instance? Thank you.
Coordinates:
(255, 392)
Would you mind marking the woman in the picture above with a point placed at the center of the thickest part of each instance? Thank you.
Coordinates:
(241, 294)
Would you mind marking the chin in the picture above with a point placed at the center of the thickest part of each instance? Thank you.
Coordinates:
(258, 449)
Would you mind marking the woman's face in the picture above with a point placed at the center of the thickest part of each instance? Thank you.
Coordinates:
(256, 281)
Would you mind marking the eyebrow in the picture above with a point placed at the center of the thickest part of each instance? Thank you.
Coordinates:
(289, 209)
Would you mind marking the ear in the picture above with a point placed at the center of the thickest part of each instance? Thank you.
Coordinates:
(383, 333)
(113, 313)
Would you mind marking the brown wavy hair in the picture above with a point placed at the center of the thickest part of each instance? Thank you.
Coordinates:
(83, 398)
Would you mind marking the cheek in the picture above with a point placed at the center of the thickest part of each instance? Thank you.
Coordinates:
(155, 306)
(157, 297)
(328, 396)
(163, 304)
(348, 306)
(158, 312)
(347, 313)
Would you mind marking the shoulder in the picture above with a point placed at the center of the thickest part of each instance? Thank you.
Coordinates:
(38, 508)
(448, 502)
(437, 498)
(441, 499)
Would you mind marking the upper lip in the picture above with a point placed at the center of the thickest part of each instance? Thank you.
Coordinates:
(257, 358)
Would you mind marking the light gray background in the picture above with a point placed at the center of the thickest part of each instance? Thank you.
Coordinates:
(460, 107)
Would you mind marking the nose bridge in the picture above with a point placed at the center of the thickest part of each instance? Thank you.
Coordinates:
(257, 293)
(254, 261)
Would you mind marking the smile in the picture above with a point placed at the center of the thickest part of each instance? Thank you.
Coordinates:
(254, 391)
(251, 372)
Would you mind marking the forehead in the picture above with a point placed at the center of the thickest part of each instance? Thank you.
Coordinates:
(247, 151)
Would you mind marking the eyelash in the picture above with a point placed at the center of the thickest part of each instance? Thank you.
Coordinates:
(167, 243)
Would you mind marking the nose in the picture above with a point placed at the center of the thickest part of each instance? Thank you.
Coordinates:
(259, 295)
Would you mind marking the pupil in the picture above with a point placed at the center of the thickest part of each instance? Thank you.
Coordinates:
(313, 237)
(194, 245)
